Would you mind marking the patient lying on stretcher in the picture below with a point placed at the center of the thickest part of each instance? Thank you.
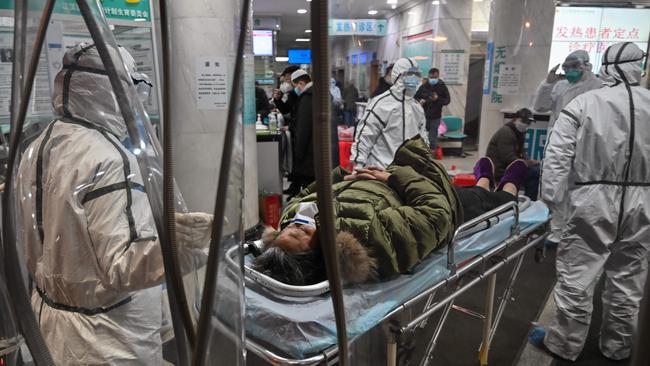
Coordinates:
(387, 220)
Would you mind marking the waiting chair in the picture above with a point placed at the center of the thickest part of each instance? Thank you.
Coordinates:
(454, 131)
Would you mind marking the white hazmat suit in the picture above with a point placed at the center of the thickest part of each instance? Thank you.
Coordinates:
(87, 229)
(390, 119)
(553, 97)
(599, 153)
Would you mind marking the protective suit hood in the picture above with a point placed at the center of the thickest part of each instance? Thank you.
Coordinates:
(401, 66)
(582, 57)
(622, 63)
(82, 90)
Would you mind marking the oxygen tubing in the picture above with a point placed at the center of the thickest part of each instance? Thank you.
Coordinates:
(208, 299)
(19, 296)
(322, 160)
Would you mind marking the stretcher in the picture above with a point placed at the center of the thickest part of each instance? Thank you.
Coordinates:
(295, 325)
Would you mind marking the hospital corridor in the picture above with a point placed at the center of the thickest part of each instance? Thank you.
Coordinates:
(324, 182)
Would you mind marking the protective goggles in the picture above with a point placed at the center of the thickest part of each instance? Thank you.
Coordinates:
(413, 71)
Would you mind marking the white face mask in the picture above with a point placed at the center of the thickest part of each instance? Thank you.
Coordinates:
(286, 87)
(306, 213)
(520, 126)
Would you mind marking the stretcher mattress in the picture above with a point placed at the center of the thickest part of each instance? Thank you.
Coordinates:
(302, 327)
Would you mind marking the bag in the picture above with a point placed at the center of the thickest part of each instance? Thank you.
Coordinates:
(442, 128)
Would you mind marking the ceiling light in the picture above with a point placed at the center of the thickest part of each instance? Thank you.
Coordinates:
(302, 39)
(393, 6)
(411, 13)
(530, 44)
(139, 20)
(308, 1)
(277, 25)
(478, 1)
(527, 24)
(302, 11)
(391, 1)
(437, 39)
(639, 6)
(436, 2)
(372, 12)
(281, 59)
(307, 30)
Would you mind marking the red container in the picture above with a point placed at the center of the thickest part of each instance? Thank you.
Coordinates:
(464, 180)
(270, 207)
(345, 150)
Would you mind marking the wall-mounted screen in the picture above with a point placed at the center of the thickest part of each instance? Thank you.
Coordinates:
(299, 56)
(263, 42)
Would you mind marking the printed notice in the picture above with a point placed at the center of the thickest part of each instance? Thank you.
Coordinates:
(509, 79)
(211, 83)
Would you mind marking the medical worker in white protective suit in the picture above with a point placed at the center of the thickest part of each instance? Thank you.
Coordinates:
(390, 119)
(599, 152)
(553, 95)
(87, 229)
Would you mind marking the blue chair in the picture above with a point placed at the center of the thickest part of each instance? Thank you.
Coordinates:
(454, 131)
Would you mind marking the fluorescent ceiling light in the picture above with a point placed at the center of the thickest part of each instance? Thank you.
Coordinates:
(391, 1)
(411, 13)
(308, 1)
(527, 24)
(307, 30)
(302, 11)
(139, 20)
(302, 39)
(437, 39)
(281, 59)
(372, 12)
(436, 2)
(478, 1)
(394, 6)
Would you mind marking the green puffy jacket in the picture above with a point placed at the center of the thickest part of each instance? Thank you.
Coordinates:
(400, 222)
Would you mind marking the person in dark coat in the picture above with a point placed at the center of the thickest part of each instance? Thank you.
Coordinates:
(262, 106)
(350, 97)
(507, 145)
(303, 148)
(286, 105)
(384, 83)
(433, 95)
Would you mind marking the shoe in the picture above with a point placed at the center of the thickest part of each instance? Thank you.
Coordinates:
(550, 245)
(536, 338)
(516, 173)
(484, 168)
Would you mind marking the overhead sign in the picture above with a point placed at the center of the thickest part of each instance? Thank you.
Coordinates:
(358, 27)
(137, 10)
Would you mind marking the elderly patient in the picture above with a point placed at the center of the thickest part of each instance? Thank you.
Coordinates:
(387, 220)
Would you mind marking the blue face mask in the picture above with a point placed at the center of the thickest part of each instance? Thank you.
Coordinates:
(411, 82)
(573, 76)
(297, 91)
(433, 81)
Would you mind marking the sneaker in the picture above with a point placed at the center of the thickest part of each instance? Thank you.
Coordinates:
(516, 173)
(484, 168)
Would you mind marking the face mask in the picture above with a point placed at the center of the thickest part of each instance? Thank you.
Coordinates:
(411, 82)
(285, 87)
(433, 81)
(297, 91)
(520, 126)
(573, 76)
(306, 213)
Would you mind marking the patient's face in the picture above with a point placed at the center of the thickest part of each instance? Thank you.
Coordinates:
(295, 238)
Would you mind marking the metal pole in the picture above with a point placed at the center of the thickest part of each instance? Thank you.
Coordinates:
(428, 354)
(322, 159)
(19, 295)
(487, 325)
(506, 296)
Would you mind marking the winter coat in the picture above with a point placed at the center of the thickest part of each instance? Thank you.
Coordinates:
(433, 110)
(506, 146)
(350, 96)
(303, 163)
(397, 223)
(382, 86)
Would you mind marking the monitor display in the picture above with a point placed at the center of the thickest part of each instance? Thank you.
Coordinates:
(299, 56)
(263, 42)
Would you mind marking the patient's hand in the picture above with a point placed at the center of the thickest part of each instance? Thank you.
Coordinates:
(369, 173)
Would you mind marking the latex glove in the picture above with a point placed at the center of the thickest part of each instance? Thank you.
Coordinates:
(552, 76)
(194, 229)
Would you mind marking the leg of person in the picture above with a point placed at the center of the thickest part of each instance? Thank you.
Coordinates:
(433, 132)
(478, 200)
(626, 272)
(558, 222)
(532, 182)
(581, 257)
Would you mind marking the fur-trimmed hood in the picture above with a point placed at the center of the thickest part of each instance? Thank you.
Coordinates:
(355, 261)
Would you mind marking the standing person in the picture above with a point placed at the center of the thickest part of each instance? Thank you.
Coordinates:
(390, 119)
(303, 162)
(433, 95)
(598, 153)
(284, 97)
(384, 82)
(553, 95)
(350, 97)
(262, 106)
(87, 229)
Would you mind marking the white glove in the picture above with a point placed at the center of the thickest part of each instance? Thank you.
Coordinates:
(194, 229)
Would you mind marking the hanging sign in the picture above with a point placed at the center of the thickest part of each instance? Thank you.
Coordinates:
(360, 27)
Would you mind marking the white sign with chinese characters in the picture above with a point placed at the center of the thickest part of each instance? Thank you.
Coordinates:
(362, 27)
(211, 83)
(509, 79)
(452, 66)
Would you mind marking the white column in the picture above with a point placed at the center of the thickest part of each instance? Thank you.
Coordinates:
(205, 29)
(529, 47)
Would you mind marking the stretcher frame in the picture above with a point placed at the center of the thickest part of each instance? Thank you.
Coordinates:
(399, 324)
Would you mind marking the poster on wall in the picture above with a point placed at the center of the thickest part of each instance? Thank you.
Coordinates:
(509, 79)
(6, 58)
(452, 69)
(595, 29)
(211, 83)
(420, 47)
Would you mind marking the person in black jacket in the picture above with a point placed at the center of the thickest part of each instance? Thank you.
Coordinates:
(303, 150)
(286, 104)
(433, 95)
(385, 82)
(262, 105)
